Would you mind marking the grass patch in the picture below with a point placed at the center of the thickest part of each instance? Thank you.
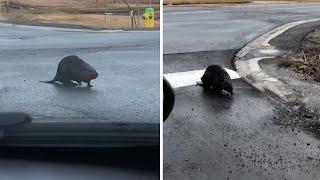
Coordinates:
(81, 4)
(89, 13)
(306, 62)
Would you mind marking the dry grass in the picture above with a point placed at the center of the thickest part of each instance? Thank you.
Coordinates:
(89, 13)
(82, 4)
(307, 62)
(89, 20)
(314, 37)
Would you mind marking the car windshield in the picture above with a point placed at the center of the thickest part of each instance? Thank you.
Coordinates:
(110, 36)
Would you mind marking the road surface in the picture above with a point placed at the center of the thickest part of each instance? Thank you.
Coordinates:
(226, 27)
(127, 89)
(223, 137)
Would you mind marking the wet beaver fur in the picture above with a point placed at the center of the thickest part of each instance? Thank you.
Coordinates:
(216, 79)
(72, 68)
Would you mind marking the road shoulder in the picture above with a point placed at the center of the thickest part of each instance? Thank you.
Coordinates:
(246, 62)
(258, 64)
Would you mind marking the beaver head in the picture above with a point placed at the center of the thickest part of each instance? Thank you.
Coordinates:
(87, 73)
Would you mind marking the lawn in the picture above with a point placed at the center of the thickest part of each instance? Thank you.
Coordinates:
(89, 13)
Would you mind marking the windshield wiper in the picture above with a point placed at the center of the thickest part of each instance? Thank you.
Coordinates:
(20, 130)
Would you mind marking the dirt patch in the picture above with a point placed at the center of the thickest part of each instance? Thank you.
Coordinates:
(307, 60)
(304, 112)
(305, 89)
(94, 21)
(86, 13)
(314, 37)
(298, 70)
(297, 115)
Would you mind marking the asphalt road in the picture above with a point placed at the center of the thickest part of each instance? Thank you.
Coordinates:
(191, 29)
(222, 137)
(127, 89)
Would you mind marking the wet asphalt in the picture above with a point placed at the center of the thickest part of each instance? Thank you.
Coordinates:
(126, 90)
(193, 29)
(221, 137)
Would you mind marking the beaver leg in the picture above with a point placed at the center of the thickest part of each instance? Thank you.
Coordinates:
(79, 83)
(89, 85)
(68, 83)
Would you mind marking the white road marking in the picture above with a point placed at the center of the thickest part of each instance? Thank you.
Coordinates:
(189, 78)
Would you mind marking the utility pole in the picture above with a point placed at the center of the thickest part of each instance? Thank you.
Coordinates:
(7, 6)
(105, 20)
(105, 15)
(138, 13)
(131, 17)
(131, 10)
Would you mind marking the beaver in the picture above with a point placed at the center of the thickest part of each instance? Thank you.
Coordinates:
(216, 79)
(72, 68)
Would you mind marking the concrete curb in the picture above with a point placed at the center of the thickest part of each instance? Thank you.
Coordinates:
(47, 28)
(246, 62)
(53, 28)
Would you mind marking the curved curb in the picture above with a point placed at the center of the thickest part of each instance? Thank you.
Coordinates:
(246, 62)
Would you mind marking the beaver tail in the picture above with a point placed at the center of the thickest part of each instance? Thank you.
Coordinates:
(55, 78)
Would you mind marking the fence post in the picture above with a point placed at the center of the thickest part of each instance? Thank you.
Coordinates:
(138, 13)
(7, 5)
(131, 17)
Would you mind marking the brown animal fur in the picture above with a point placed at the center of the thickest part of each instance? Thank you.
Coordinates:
(72, 68)
(216, 79)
